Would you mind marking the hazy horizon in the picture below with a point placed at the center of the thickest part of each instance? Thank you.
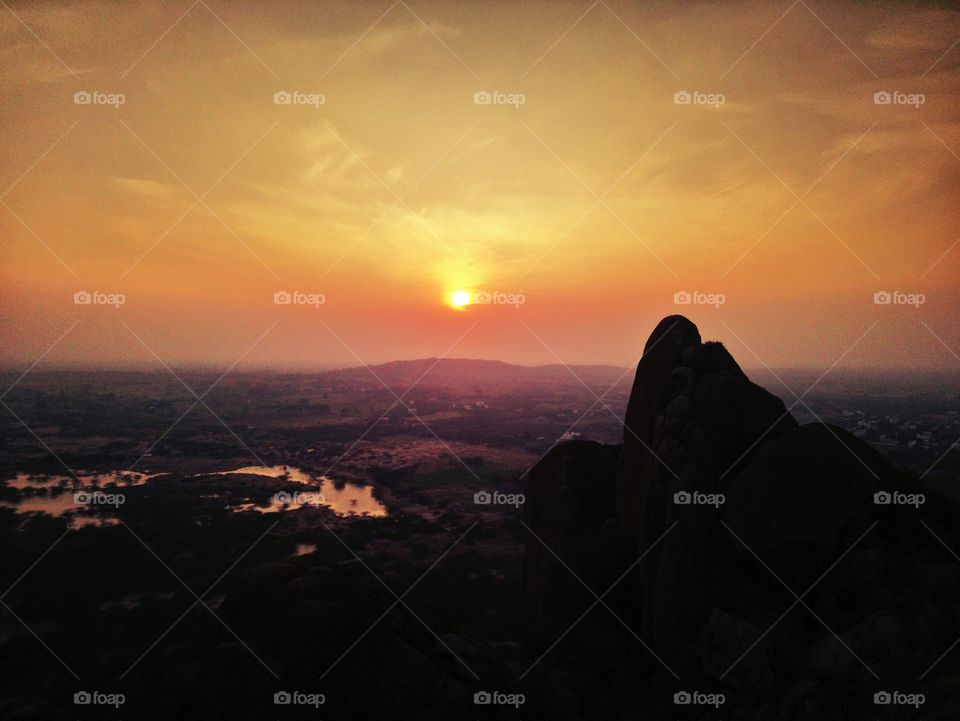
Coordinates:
(307, 369)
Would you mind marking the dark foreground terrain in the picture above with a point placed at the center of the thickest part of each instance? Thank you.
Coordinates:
(440, 540)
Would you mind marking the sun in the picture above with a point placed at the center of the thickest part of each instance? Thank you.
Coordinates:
(460, 298)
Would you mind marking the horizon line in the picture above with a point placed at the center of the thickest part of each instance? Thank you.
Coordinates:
(321, 368)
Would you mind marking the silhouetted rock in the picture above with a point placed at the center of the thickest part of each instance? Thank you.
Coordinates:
(571, 509)
(29, 709)
(721, 643)
(763, 563)
(805, 487)
(330, 629)
(693, 421)
(651, 388)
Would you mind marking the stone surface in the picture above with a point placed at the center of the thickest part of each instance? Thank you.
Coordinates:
(717, 596)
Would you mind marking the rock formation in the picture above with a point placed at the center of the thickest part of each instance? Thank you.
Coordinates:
(736, 510)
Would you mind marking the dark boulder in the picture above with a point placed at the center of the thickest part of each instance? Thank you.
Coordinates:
(693, 421)
(731, 511)
(806, 487)
(570, 512)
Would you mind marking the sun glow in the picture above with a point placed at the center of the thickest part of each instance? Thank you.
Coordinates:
(459, 298)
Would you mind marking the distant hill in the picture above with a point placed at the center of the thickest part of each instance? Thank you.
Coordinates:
(453, 372)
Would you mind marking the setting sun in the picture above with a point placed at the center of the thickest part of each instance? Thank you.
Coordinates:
(460, 298)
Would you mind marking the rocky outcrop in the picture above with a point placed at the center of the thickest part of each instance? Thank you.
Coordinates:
(571, 505)
(693, 421)
(807, 486)
(736, 511)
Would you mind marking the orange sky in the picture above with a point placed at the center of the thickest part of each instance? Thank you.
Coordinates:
(596, 199)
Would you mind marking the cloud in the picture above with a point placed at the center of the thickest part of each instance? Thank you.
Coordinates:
(932, 30)
(149, 189)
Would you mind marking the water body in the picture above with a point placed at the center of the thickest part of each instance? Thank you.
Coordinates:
(344, 499)
(64, 503)
(305, 549)
(120, 479)
(61, 504)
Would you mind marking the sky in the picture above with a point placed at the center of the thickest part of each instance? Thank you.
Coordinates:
(585, 168)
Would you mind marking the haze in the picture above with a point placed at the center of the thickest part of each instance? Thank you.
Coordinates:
(595, 200)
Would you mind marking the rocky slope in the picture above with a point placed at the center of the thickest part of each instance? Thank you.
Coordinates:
(723, 511)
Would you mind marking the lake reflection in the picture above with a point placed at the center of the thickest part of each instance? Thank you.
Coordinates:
(344, 499)
(305, 549)
(23, 481)
(59, 505)
(58, 500)
(53, 495)
(294, 474)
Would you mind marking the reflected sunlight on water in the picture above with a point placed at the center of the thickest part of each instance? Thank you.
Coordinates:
(345, 499)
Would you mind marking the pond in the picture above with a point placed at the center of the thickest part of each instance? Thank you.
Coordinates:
(58, 498)
(55, 495)
(121, 479)
(61, 504)
(344, 499)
